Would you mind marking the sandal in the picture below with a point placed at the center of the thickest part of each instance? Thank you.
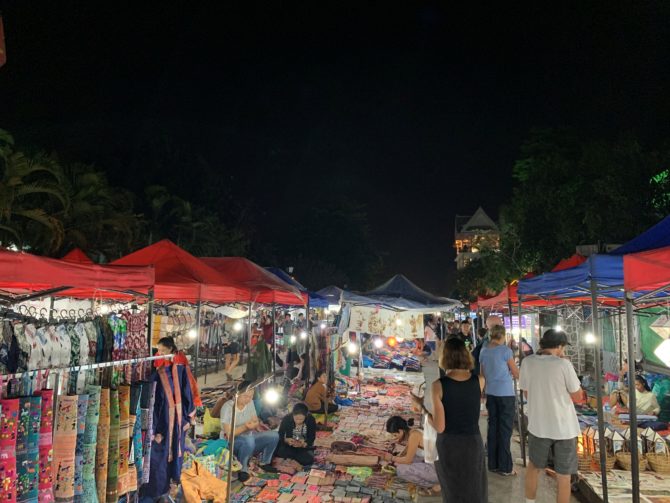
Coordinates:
(428, 492)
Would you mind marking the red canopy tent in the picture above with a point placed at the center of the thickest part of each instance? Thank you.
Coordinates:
(648, 270)
(77, 256)
(23, 273)
(182, 277)
(264, 286)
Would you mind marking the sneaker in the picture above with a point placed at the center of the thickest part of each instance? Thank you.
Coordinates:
(243, 476)
(269, 468)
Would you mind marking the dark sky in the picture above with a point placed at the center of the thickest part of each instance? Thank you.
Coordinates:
(417, 109)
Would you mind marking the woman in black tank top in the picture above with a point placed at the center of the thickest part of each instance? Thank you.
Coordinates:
(461, 465)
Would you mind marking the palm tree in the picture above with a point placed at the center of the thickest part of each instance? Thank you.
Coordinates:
(28, 185)
(100, 218)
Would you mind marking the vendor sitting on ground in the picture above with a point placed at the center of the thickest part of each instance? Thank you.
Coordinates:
(317, 396)
(410, 464)
(645, 400)
(297, 432)
(250, 438)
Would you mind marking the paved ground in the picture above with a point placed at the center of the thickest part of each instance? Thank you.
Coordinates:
(501, 489)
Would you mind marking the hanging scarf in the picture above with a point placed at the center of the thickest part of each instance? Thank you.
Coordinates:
(180, 359)
(174, 404)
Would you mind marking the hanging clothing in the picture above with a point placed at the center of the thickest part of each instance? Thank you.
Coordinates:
(9, 423)
(260, 362)
(136, 344)
(180, 359)
(27, 449)
(124, 438)
(82, 408)
(113, 457)
(65, 443)
(45, 474)
(135, 426)
(90, 494)
(147, 418)
(102, 448)
(119, 327)
(172, 408)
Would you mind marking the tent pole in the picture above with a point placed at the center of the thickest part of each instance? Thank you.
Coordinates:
(274, 341)
(249, 336)
(599, 387)
(231, 442)
(197, 338)
(522, 432)
(309, 356)
(635, 462)
(621, 340)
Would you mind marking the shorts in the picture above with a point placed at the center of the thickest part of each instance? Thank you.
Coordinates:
(231, 349)
(432, 345)
(564, 453)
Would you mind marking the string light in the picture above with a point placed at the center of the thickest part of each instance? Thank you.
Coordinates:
(237, 326)
(378, 342)
(391, 341)
(589, 338)
(352, 347)
(192, 334)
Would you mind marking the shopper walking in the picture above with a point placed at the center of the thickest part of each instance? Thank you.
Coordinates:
(550, 382)
(461, 466)
(498, 368)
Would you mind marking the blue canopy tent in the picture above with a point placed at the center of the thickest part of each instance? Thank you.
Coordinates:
(602, 276)
(315, 300)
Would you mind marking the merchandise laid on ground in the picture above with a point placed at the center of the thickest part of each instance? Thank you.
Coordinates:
(355, 475)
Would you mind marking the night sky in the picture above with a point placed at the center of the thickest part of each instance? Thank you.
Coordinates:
(416, 109)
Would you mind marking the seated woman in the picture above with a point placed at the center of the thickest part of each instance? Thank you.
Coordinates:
(297, 432)
(410, 464)
(645, 400)
(317, 396)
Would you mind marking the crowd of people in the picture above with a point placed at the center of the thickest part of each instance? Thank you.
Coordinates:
(475, 369)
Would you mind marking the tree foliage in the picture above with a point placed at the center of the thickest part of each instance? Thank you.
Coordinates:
(571, 191)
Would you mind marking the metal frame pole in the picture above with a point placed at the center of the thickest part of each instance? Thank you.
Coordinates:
(307, 351)
(249, 335)
(197, 337)
(274, 340)
(522, 432)
(599, 387)
(231, 444)
(620, 340)
(150, 318)
(632, 406)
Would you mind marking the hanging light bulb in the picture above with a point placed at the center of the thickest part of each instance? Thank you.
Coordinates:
(323, 325)
(292, 339)
(398, 321)
(589, 338)
(391, 341)
(104, 309)
(237, 326)
(352, 347)
(303, 335)
(192, 334)
(558, 328)
(271, 396)
(378, 342)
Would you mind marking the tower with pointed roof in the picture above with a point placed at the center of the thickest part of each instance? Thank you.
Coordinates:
(472, 234)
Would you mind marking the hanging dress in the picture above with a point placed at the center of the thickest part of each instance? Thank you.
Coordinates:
(172, 408)
(45, 477)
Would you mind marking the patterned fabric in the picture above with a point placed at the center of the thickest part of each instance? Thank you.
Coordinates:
(75, 352)
(45, 478)
(27, 449)
(119, 327)
(65, 346)
(42, 341)
(34, 347)
(90, 494)
(102, 448)
(136, 344)
(24, 347)
(65, 443)
(124, 438)
(9, 424)
(92, 337)
(147, 402)
(82, 409)
(113, 459)
(83, 343)
(135, 459)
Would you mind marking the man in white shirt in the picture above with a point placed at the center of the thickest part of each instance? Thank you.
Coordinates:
(249, 437)
(550, 382)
